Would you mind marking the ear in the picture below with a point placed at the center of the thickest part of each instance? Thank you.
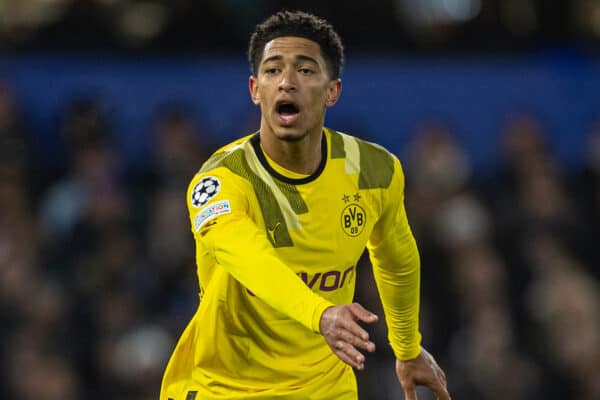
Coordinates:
(253, 87)
(334, 90)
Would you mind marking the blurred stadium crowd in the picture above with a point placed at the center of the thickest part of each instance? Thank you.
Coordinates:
(97, 276)
(192, 26)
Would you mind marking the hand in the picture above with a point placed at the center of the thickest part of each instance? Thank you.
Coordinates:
(344, 335)
(424, 371)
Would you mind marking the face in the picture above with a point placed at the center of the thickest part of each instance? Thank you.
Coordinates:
(293, 88)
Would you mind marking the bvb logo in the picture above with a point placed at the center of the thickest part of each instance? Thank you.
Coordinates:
(354, 219)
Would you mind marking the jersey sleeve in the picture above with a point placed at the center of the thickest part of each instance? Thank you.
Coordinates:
(218, 206)
(396, 267)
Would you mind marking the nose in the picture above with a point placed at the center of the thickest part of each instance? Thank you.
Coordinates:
(288, 81)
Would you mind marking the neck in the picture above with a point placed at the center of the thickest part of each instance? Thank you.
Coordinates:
(302, 156)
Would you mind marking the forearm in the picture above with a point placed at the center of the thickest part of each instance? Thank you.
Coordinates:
(399, 289)
(252, 261)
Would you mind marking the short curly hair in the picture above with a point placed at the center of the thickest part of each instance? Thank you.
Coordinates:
(298, 24)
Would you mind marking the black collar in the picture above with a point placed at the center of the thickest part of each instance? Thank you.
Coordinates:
(255, 140)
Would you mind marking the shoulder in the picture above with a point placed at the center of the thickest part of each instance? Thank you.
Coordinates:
(375, 164)
(226, 154)
(223, 170)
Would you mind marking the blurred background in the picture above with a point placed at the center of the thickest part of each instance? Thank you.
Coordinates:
(108, 108)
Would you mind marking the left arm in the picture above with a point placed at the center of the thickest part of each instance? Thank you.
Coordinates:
(396, 267)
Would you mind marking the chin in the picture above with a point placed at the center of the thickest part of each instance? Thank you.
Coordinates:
(290, 135)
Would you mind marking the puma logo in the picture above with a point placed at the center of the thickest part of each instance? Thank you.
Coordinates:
(271, 232)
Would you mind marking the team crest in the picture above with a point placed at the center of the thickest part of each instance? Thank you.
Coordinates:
(354, 219)
(205, 190)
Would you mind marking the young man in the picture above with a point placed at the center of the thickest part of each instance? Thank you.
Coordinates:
(280, 219)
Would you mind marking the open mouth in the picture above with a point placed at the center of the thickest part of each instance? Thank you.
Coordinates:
(287, 112)
(287, 108)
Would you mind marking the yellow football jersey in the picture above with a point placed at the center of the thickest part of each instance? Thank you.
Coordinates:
(274, 249)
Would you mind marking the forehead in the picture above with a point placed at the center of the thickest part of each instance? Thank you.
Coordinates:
(292, 46)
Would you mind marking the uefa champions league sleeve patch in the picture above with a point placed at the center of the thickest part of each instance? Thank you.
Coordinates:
(205, 190)
(211, 212)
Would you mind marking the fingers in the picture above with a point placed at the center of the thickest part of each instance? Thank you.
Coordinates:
(362, 313)
(442, 377)
(356, 335)
(441, 390)
(347, 353)
(358, 312)
(410, 392)
(425, 371)
(339, 322)
(344, 335)
(356, 341)
(443, 394)
(438, 385)
(346, 349)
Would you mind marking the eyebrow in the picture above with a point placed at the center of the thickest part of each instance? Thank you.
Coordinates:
(299, 57)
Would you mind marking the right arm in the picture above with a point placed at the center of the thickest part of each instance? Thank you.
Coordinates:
(250, 257)
(337, 324)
